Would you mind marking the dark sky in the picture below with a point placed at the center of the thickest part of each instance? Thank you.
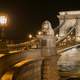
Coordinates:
(26, 16)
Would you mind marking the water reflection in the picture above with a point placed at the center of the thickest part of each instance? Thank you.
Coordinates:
(69, 60)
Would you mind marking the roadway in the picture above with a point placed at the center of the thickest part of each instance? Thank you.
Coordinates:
(9, 63)
(17, 61)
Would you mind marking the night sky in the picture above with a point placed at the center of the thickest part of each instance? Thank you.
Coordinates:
(26, 16)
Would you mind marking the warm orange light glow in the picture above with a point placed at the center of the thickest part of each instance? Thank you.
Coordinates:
(30, 36)
(3, 20)
(39, 33)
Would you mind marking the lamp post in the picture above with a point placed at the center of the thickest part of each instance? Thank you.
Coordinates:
(30, 38)
(3, 23)
(38, 36)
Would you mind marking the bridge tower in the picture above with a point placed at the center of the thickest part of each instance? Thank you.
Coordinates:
(70, 18)
(48, 52)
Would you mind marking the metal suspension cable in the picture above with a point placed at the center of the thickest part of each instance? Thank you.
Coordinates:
(67, 33)
(55, 29)
(63, 50)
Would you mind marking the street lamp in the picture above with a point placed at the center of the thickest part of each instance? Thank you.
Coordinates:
(30, 36)
(39, 33)
(3, 22)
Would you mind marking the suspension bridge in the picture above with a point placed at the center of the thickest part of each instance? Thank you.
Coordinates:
(55, 55)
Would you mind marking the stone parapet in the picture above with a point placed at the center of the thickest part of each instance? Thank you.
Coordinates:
(69, 16)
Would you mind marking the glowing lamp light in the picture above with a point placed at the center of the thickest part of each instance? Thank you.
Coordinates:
(30, 36)
(3, 20)
(39, 33)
